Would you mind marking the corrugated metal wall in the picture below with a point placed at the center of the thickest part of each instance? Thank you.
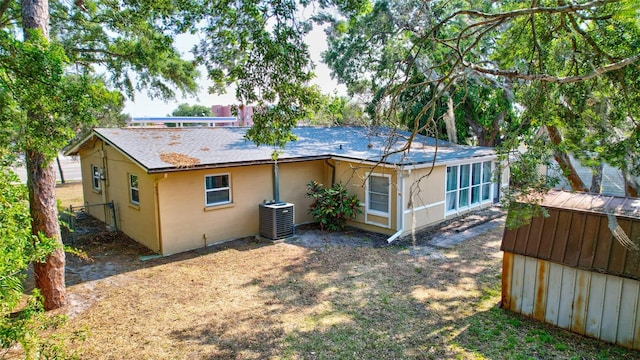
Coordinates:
(577, 238)
(569, 270)
(599, 305)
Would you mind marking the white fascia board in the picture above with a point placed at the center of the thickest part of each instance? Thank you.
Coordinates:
(449, 163)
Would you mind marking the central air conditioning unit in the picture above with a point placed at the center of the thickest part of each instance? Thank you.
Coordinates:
(276, 220)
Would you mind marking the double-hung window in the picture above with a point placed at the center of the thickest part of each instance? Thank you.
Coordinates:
(378, 194)
(217, 189)
(134, 192)
(95, 177)
(468, 185)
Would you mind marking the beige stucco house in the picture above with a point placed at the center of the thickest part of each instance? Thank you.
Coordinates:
(176, 189)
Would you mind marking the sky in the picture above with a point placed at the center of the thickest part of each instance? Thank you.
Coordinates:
(143, 106)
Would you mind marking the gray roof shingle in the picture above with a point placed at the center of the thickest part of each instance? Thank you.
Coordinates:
(227, 146)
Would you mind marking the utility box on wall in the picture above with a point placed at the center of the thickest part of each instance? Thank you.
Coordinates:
(276, 220)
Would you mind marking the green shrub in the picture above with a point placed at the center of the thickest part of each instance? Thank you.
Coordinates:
(332, 207)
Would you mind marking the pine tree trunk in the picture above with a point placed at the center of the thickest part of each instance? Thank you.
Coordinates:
(41, 182)
(49, 275)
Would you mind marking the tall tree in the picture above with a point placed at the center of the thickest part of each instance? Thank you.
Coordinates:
(569, 66)
(383, 53)
(41, 174)
(43, 102)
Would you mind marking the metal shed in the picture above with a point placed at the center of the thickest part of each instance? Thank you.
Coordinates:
(571, 269)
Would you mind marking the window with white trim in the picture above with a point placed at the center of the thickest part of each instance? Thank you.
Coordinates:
(217, 189)
(95, 177)
(134, 192)
(378, 194)
(468, 185)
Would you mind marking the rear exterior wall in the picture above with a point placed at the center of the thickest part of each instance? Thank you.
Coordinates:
(187, 223)
(136, 220)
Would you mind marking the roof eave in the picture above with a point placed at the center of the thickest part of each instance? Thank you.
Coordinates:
(235, 164)
(73, 150)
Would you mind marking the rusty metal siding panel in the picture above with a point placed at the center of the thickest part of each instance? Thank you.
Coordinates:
(618, 253)
(636, 333)
(507, 271)
(596, 305)
(611, 316)
(508, 240)
(535, 231)
(522, 234)
(561, 236)
(603, 246)
(574, 240)
(529, 285)
(603, 306)
(580, 301)
(547, 238)
(553, 293)
(567, 287)
(589, 240)
(517, 283)
(628, 310)
(632, 265)
(542, 286)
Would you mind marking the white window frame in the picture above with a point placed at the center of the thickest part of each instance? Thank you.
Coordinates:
(95, 178)
(368, 196)
(223, 188)
(468, 188)
(133, 188)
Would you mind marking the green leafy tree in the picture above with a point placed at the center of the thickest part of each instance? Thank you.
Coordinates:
(21, 321)
(338, 110)
(259, 46)
(385, 56)
(43, 103)
(192, 110)
(571, 67)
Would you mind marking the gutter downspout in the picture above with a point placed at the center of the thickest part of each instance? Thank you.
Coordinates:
(276, 182)
(333, 171)
(399, 209)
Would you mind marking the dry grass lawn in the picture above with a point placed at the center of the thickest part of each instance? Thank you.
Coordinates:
(70, 193)
(256, 300)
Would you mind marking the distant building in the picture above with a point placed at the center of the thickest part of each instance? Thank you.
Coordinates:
(244, 116)
(222, 117)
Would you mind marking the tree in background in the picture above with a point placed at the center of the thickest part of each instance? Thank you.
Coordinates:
(335, 110)
(382, 52)
(259, 46)
(571, 68)
(192, 110)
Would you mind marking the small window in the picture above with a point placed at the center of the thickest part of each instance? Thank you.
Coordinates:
(134, 193)
(378, 194)
(217, 189)
(95, 176)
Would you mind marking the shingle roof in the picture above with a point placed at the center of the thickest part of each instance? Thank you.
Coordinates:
(227, 146)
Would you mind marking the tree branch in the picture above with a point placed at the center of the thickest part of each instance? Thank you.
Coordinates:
(513, 74)
(572, 8)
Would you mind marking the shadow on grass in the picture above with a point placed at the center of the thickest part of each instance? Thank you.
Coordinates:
(350, 303)
(354, 303)
(109, 253)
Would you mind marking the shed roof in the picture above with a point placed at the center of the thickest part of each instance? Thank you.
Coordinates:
(604, 204)
(227, 146)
